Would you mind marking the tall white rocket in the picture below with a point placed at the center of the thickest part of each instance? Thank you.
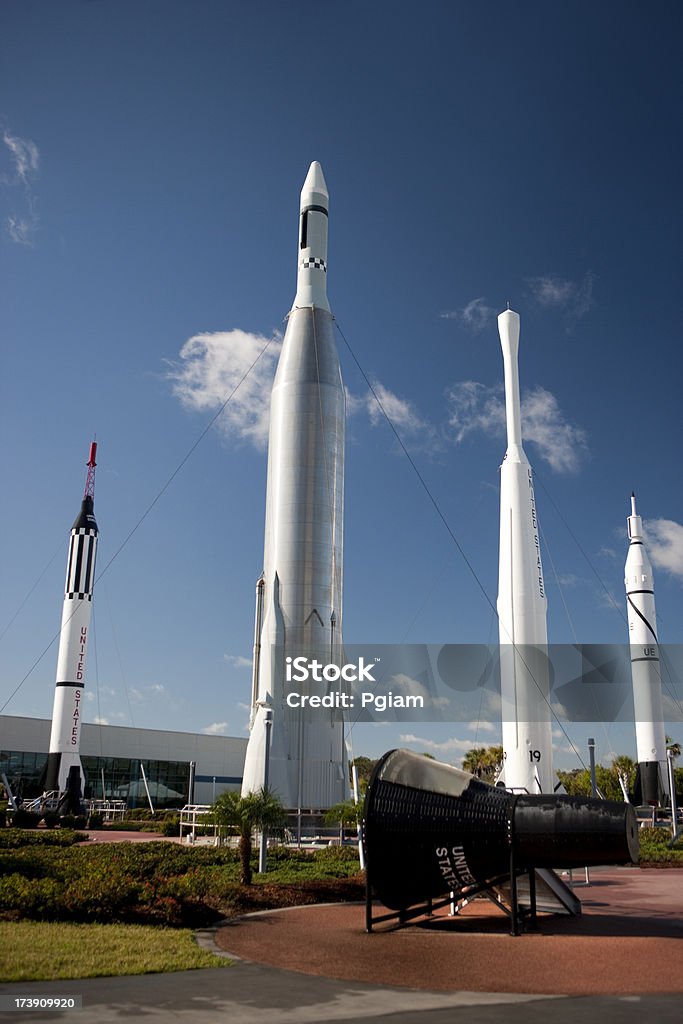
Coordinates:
(299, 596)
(652, 776)
(522, 602)
(67, 714)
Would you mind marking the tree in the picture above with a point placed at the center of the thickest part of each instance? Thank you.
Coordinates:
(625, 769)
(675, 748)
(261, 809)
(484, 762)
(365, 766)
(345, 814)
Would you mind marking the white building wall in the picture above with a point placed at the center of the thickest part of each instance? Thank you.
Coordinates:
(221, 757)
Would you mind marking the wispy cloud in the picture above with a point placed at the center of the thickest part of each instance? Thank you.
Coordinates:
(237, 660)
(560, 443)
(213, 365)
(477, 315)
(665, 545)
(216, 729)
(24, 158)
(483, 726)
(401, 411)
(574, 298)
(445, 746)
(475, 407)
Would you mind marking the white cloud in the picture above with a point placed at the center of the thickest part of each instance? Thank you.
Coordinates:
(157, 688)
(400, 411)
(238, 661)
(216, 729)
(477, 407)
(213, 365)
(574, 298)
(568, 579)
(665, 545)
(476, 315)
(25, 156)
(25, 160)
(606, 599)
(98, 720)
(444, 746)
(482, 727)
(560, 443)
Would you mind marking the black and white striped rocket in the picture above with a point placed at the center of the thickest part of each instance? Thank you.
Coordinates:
(651, 776)
(67, 712)
(299, 596)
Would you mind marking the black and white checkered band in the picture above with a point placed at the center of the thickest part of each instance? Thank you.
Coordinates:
(315, 262)
(81, 597)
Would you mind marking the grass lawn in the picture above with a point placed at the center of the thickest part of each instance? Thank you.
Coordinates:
(42, 951)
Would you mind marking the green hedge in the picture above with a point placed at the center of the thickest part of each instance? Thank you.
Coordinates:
(161, 883)
(11, 838)
(654, 847)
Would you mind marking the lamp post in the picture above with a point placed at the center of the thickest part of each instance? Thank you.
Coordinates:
(263, 845)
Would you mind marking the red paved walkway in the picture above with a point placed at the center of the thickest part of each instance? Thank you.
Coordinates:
(627, 941)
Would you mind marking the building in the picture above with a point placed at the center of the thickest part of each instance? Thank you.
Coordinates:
(112, 757)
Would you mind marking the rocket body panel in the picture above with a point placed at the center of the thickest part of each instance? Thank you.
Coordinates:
(645, 663)
(522, 602)
(67, 713)
(303, 550)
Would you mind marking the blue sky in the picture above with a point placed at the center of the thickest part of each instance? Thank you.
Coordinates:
(476, 153)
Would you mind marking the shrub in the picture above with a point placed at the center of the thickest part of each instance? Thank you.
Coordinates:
(12, 838)
(171, 826)
(51, 819)
(73, 821)
(95, 820)
(25, 819)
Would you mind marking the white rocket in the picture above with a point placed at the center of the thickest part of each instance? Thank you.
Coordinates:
(299, 596)
(64, 758)
(522, 602)
(652, 776)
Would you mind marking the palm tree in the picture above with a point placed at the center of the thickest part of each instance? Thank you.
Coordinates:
(345, 814)
(484, 762)
(624, 768)
(675, 748)
(261, 809)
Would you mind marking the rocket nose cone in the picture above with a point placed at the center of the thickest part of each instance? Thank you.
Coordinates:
(508, 326)
(315, 180)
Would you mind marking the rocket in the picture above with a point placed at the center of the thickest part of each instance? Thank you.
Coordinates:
(651, 777)
(522, 601)
(299, 595)
(64, 772)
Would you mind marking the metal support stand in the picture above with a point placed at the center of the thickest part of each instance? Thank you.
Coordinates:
(514, 905)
